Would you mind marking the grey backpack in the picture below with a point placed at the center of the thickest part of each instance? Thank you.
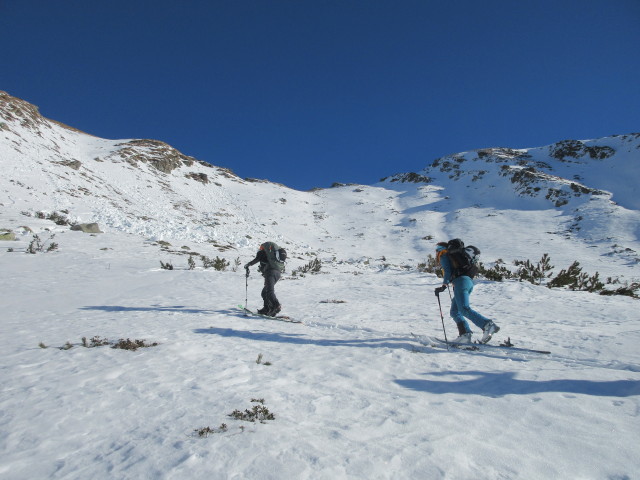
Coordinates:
(276, 257)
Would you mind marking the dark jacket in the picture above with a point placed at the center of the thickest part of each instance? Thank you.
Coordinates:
(261, 257)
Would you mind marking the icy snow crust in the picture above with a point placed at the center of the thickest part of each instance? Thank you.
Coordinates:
(353, 393)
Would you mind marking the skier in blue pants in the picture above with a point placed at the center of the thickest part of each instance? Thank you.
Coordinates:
(460, 306)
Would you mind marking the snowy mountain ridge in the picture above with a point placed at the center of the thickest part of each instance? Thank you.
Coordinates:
(558, 173)
(581, 193)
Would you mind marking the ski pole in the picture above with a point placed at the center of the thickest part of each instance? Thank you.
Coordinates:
(246, 291)
(442, 318)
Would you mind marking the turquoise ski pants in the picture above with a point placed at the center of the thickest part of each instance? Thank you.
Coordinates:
(460, 308)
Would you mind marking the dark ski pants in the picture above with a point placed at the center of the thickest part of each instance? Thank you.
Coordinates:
(269, 298)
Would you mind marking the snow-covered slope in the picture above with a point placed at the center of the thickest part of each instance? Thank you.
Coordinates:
(354, 394)
(565, 199)
(560, 199)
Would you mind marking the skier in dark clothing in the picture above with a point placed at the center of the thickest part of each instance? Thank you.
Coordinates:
(269, 258)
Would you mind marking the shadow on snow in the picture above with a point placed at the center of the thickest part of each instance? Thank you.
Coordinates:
(301, 339)
(499, 384)
(489, 384)
(151, 308)
(402, 343)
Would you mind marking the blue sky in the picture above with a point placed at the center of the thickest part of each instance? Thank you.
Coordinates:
(308, 93)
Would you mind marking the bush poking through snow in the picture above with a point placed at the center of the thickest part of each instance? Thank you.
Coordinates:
(133, 344)
(575, 279)
(430, 266)
(313, 266)
(258, 413)
(236, 264)
(101, 342)
(260, 362)
(39, 245)
(497, 273)
(166, 266)
(95, 342)
(534, 273)
(219, 264)
(627, 290)
(572, 277)
(55, 217)
(206, 431)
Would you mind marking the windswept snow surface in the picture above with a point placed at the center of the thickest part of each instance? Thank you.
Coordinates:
(355, 395)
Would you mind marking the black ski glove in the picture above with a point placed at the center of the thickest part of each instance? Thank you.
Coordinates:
(441, 289)
(246, 269)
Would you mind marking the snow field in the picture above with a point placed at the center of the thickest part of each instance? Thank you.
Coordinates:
(354, 395)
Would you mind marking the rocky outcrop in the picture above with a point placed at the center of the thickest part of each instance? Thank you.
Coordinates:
(577, 149)
(198, 177)
(160, 155)
(87, 228)
(13, 109)
(7, 236)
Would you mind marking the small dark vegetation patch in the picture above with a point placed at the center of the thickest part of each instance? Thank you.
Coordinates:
(627, 290)
(94, 342)
(430, 266)
(219, 264)
(55, 217)
(260, 361)
(314, 266)
(570, 278)
(204, 432)
(128, 344)
(257, 413)
(38, 245)
(166, 266)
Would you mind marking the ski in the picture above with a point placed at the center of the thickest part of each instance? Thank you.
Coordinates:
(281, 318)
(442, 344)
(507, 345)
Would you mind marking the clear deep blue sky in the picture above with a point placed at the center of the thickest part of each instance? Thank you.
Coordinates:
(308, 93)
